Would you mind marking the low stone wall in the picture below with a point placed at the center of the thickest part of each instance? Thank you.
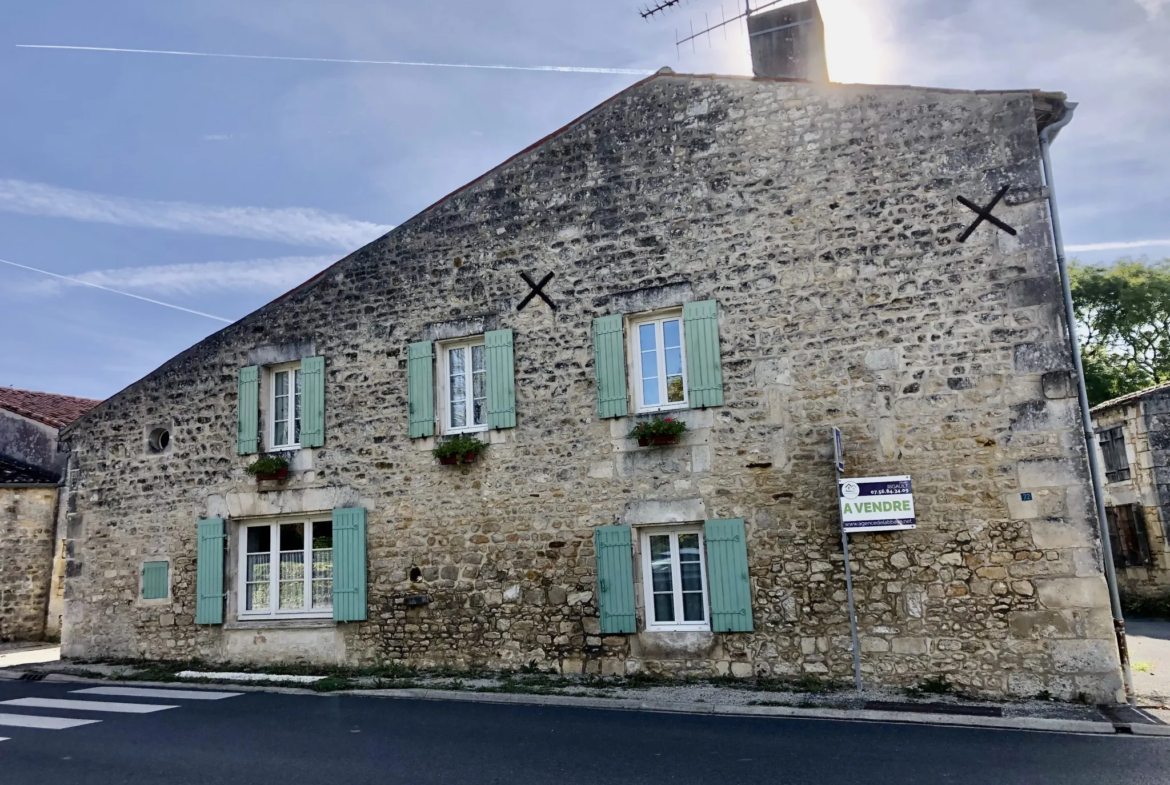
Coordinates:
(26, 536)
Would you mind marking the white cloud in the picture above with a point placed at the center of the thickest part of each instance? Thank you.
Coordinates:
(292, 225)
(1153, 7)
(272, 276)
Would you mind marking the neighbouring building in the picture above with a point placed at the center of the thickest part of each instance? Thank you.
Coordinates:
(759, 258)
(1133, 441)
(30, 471)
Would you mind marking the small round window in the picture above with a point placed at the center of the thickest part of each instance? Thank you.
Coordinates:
(159, 439)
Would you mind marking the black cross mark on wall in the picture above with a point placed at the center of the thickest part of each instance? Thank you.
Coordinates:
(537, 289)
(985, 215)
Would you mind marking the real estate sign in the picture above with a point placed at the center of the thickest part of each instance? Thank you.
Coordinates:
(876, 504)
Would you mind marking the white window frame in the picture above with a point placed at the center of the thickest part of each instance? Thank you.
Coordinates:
(273, 611)
(676, 578)
(293, 369)
(635, 351)
(444, 385)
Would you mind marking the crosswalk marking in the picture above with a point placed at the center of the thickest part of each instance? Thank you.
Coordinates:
(56, 703)
(45, 723)
(146, 692)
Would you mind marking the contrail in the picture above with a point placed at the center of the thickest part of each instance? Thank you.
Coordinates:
(557, 68)
(1117, 246)
(115, 291)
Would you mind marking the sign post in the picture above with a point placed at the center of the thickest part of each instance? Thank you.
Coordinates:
(839, 466)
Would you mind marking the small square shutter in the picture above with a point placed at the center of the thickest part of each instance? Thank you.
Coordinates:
(609, 363)
(615, 579)
(313, 402)
(420, 375)
(704, 367)
(209, 572)
(248, 433)
(501, 379)
(154, 580)
(729, 587)
(349, 564)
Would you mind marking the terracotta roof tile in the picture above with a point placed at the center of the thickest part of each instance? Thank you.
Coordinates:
(49, 408)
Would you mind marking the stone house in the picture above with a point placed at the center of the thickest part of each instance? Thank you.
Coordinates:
(1133, 443)
(761, 259)
(30, 472)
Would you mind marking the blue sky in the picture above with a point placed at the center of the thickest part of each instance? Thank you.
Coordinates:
(217, 184)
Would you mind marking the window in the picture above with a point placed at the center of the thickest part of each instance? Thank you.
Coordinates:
(286, 407)
(286, 569)
(1113, 448)
(659, 363)
(465, 386)
(1128, 536)
(673, 573)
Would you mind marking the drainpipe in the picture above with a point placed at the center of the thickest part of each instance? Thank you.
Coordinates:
(1046, 137)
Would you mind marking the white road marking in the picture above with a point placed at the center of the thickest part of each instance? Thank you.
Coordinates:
(46, 723)
(55, 703)
(145, 692)
(248, 676)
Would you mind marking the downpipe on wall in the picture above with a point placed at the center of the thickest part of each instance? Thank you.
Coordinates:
(1046, 137)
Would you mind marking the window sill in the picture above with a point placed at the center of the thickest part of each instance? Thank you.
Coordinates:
(703, 628)
(465, 431)
(279, 624)
(674, 407)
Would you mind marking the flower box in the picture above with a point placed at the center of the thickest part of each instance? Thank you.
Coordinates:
(658, 432)
(458, 449)
(269, 467)
(658, 441)
(279, 474)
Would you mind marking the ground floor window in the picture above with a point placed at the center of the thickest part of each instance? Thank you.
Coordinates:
(1128, 537)
(286, 569)
(674, 577)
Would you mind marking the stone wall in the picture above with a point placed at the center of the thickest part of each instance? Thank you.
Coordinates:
(823, 220)
(26, 535)
(29, 442)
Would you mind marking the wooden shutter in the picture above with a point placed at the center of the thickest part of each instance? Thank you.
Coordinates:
(420, 374)
(615, 579)
(313, 402)
(729, 587)
(154, 580)
(501, 379)
(248, 433)
(704, 367)
(349, 564)
(609, 362)
(209, 572)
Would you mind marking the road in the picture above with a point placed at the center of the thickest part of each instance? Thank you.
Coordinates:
(258, 738)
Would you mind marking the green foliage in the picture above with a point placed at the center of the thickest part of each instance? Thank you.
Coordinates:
(1123, 321)
(459, 446)
(933, 685)
(1151, 607)
(659, 426)
(268, 464)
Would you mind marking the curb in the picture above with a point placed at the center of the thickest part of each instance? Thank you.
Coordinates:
(1035, 724)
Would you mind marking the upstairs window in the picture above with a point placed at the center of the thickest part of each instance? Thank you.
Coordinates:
(659, 362)
(1112, 442)
(464, 374)
(285, 421)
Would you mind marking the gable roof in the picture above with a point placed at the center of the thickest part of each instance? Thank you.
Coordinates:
(48, 408)
(16, 473)
(1132, 397)
(1048, 107)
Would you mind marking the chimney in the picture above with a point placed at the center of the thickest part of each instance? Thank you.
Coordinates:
(789, 42)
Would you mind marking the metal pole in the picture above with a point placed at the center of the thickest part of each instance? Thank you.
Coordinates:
(849, 587)
(1083, 396)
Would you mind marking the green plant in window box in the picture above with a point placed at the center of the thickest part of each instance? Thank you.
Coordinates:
(459, 449)
(659, 431)
(268, 467)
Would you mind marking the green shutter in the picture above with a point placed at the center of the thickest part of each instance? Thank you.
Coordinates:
(729, 587)
(209, 572)
(420, 375)
(609, 360)
(615, 579)
(154, 580)
(248, 434)
(349, 564)
(501, 379)
(704, 367)
(313, 402)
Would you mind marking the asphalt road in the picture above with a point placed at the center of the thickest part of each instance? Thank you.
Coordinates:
(259, 738)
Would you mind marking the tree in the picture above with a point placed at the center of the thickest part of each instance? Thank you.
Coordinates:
(1123, 321)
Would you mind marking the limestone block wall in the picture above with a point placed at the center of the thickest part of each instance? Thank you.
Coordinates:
(26, 537)
(822, 219)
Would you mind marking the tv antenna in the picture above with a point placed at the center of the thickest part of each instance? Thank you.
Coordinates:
(648, 11)
(748, 10)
